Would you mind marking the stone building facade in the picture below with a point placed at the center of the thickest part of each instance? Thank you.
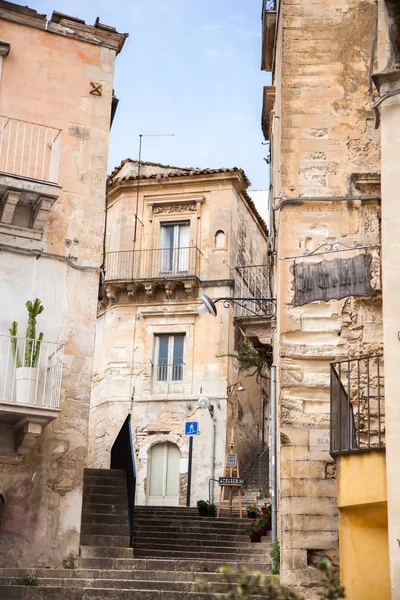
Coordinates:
(172, 235)
(325, 199)
(56, 94)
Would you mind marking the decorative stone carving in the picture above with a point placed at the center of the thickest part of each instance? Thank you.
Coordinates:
(174, 208)
(26, 437)
(190, 288)
(170, 287)
(41, 212)
(7, 206)
(131, 290)
(112, 292)
(150, 288)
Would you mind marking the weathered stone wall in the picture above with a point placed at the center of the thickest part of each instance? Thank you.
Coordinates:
(323, 134)
(46, 79)
(122, 379)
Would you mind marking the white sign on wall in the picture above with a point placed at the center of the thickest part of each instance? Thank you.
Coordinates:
(318, 440)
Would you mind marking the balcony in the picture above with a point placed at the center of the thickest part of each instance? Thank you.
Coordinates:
(269, 16)
(357, 414)
(152, 274)
(29, 161)
(30, 386)
(167, 379)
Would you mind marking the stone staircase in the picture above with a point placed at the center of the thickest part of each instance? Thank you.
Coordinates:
(251, 490)
(173, 547)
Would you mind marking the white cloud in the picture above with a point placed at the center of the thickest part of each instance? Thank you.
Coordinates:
(225, 52)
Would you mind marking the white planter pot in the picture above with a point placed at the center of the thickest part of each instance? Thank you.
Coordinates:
(26, 384)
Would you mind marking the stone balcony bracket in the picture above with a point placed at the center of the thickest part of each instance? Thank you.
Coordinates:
(171, 289)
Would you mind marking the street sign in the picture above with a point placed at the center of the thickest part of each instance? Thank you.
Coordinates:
(191, 428)
(231, 460)
(230, 481)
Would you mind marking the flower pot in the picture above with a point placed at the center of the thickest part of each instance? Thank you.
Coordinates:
(252, 514)
(212, 513)
(264, 510)
(268, 526)
(26, 384)
(256, 536)
(264, 530)
(203, 512)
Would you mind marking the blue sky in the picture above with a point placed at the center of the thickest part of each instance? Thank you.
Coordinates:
(189, 67)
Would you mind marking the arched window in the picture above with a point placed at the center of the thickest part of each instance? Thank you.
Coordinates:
(220, 240)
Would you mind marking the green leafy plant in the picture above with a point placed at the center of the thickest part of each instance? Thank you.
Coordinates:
(26, 580)
(32, 345)
(202, 504)
(243, 585)
(267, 510)
(275, 557)
(253, 508)
(211, 508)
(264, 520)
(253, 527)
(249, 360)
(69, 562)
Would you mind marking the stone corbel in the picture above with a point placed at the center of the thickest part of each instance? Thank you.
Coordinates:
(41, 212)
(150, 289)
(190, 288)
(131, 291)
(112, 292)
(170, 287)
(8, 205)
(26, 437)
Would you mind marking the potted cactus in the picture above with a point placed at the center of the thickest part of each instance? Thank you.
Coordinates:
(26, 362)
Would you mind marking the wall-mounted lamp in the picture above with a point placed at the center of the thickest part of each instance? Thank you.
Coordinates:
(204, 402)
(231, 388)
(259, 307)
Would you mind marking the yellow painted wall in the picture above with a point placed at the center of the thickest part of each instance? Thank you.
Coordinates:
(363, 528)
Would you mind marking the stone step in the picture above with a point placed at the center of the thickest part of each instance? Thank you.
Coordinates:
(112, 529)
(110, 541)
(223, 557)
(210, 546)
(16, 592)
(201, 537)
(110, 481)
(104, 473)
(104, 498)
(101, 490)
(105, 509)
(167, 564)
(105, 552)
(89, 518)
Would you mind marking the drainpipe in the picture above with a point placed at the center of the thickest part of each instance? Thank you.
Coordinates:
(273, 454)
(213, 431)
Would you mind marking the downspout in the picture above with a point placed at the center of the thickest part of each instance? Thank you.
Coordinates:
(213, 436)
(273, 456)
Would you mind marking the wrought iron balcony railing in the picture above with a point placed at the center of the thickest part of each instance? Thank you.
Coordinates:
(251, 282)
(160, 263)
(29, 150)
(30, 372)
(167, 379)
(357, 414)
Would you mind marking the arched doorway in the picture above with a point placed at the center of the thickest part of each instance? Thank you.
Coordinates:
(164, 475)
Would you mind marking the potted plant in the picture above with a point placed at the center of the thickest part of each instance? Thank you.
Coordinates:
(202, 505)
(267, 508)
(265, 524)
(26, 368)
(253, 529)
(211, 509)
(252, 511)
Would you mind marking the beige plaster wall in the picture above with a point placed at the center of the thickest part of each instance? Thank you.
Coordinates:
(323, 132)
(46, 79)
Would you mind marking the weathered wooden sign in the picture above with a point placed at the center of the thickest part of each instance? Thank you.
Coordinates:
(332, 279)
(230, 481)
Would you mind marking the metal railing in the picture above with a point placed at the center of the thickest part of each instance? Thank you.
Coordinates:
(30, 372)
(357, 394)
(250, 282)
(29, 149)
(133, 265)
(167, 379)
(263, 471)
(123, 457)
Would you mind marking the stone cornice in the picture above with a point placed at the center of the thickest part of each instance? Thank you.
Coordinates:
(99, 34)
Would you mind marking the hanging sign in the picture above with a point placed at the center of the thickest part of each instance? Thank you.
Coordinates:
(230, 481)
(332, 279)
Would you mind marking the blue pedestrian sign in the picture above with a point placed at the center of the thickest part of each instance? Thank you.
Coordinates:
(191, 428)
